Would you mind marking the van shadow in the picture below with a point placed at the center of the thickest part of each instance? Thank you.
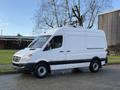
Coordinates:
(65, 73)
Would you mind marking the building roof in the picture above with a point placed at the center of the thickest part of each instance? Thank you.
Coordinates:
(23, 38)
(107, 12)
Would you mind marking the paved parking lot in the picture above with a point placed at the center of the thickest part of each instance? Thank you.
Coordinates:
(107, 79)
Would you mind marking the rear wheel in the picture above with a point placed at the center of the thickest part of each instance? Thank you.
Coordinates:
(94, 66)
(41, 70)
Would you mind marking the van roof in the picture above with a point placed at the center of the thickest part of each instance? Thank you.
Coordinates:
(70, 30)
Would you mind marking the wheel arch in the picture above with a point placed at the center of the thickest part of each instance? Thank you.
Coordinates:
(97, 58)
(42, 61)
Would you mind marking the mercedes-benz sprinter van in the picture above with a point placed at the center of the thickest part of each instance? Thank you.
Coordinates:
(63, 48)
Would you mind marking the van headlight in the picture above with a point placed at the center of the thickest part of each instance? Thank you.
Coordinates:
(27, 57)
(16, 58)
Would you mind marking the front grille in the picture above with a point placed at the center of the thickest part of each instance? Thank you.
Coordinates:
(16, 58)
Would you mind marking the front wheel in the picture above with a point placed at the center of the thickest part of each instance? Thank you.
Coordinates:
(94, 66)
(41, 70)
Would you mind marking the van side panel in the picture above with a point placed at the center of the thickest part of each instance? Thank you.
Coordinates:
(75, 45)
(82, 46)
(95, 41)
(95, 44)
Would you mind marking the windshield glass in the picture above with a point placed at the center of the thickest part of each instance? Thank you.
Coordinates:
(39, 41)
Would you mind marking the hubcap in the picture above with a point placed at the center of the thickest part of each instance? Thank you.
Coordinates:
(95, 66)
(41, 71)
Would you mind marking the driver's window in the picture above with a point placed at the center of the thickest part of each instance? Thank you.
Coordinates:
(56, 42)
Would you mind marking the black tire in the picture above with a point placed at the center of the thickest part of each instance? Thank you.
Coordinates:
(94, 66)
(41, 70)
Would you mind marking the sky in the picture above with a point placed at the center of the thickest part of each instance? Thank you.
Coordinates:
(17, 16)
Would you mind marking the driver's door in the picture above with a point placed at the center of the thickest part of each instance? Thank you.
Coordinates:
(54, 50)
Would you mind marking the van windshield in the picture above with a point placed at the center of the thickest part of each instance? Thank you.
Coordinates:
(39, 41)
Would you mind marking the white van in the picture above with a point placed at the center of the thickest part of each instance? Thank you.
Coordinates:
(63, 48)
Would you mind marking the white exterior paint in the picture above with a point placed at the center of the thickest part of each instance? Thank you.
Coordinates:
(82, 44)
(69, 66)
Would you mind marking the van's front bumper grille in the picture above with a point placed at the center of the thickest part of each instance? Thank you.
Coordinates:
(16, 58)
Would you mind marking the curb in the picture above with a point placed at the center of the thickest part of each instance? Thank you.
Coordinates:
(10, 72)
(113, 63)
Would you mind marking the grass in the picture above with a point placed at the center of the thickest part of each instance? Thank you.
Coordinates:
(5, 60)
(6, 56)
(6, 69)
(113, 59)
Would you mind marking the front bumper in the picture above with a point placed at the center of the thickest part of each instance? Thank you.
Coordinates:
(24, 67)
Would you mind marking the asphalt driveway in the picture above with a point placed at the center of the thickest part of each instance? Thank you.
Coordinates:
(107, 79)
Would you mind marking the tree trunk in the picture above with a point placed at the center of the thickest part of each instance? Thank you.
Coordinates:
(55, 12)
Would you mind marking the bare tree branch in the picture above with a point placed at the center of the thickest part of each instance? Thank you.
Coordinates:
(50, 24)
(58, 13)
(55, 11)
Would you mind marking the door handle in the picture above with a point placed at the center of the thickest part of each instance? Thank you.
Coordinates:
(68, 51)
(61, 51)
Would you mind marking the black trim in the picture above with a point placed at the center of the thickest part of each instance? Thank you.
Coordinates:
(95, 48)
(106, 60)
(30, 66)
(72, 61)
(27, 67)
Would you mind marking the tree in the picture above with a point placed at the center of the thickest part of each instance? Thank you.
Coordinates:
(58, 13)
(94, 8)
(50, 14)
(19, 35)
(77, 14)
